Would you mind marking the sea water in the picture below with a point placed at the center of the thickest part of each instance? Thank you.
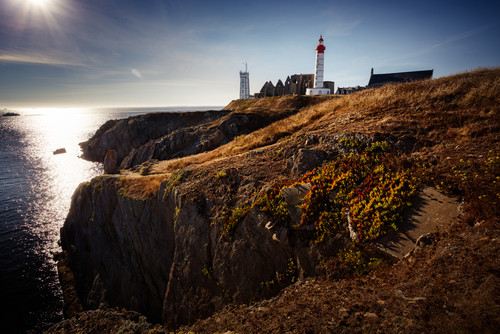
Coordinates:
(35, 194)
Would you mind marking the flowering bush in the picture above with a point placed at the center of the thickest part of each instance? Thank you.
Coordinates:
(369, 190)
(273, 202)
(231, 218)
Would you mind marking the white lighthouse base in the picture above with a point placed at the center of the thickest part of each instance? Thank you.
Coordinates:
(317, 91)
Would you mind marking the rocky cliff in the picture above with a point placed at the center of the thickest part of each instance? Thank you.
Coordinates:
(164, 136)
(127, 134)
(167, 254)
(183, 238)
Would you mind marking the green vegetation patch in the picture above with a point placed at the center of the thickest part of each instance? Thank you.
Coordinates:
(369, 190)
(231, 218)
(350, 263)
(273, 202)
(289, 276)
(173, 181)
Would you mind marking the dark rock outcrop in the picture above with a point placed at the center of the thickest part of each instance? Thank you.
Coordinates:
(110, 162)
(166, 136)
(11, 114)
(196, 139)
(127, 134)
(306, 160)
(59, 151)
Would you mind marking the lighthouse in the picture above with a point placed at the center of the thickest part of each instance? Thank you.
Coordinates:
(319, 88)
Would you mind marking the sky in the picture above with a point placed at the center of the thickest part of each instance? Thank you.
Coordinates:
(145, 53)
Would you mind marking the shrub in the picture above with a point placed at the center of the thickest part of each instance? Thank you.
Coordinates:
(231, 218)
(370, 190)
(351, 262)
(221, 175)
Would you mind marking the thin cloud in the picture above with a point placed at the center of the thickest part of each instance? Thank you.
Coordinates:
(454, 38)
(428, 49)
(136, 73)
(37, 59)
(342, 28)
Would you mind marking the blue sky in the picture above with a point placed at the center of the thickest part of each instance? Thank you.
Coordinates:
(89, 53)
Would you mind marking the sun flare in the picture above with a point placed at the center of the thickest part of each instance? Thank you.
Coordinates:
(44, 4)
(39, 2)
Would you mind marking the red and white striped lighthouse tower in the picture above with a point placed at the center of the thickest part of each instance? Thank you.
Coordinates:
(319, 88)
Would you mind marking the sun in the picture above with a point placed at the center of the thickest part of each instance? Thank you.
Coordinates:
(40, 3)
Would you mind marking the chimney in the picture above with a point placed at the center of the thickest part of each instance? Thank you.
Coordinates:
(372, 71)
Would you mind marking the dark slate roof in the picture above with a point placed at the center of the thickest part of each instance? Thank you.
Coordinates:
(382, 79)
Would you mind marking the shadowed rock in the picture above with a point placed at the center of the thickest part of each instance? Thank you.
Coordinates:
(432, 211)
(110, 162)
(306, 160)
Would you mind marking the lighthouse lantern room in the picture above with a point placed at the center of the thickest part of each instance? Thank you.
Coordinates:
(319, 88)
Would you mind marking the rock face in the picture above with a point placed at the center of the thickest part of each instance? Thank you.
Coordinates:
(431, 212)
(165, 136)
(305, 160)
(196, 139)
(125, 242)
(110, 162)
(128, 134)
(165, 258)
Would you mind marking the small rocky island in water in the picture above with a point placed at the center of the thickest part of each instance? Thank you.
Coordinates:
(376, 211)
(61, 150)
(10, 114)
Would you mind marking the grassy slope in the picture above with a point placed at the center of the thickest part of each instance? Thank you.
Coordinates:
(453, 127)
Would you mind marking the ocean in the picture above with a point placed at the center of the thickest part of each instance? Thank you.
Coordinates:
(35, 194)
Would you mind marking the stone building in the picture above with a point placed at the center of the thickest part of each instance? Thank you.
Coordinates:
(295, 84)
(349, 90)
(378, 80)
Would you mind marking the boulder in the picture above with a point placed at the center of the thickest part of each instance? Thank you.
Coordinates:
(293, 197)
(110, 162)
(59, 151)
(305, 160)
(432, 211)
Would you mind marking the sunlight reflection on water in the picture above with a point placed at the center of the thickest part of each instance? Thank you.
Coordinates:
(57, 176)
(36, 189)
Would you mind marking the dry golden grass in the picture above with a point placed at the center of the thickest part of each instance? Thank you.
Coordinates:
(272, 105)
(141, 187)
(241, 144)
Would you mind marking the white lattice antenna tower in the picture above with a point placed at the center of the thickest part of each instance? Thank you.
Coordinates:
(245, 84)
